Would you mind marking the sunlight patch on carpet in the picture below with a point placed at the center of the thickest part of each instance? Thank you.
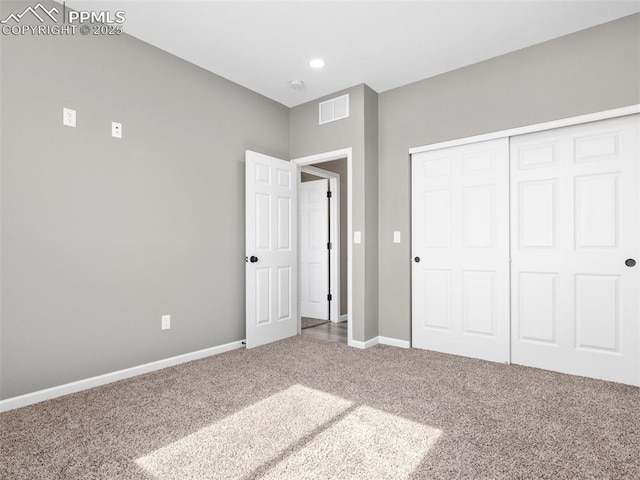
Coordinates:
(367, 443)
(246, 440)
(297, 433)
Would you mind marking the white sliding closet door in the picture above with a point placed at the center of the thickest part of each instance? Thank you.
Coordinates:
(460, 243)
(575, 222)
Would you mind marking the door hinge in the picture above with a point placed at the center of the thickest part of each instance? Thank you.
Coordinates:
(329, 297)
(329, 246)
(328, 194)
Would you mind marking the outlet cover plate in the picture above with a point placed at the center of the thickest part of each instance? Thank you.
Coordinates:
(116, 130)
(69, 117)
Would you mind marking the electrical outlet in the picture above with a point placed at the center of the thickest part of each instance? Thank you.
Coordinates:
(116, 130)
(166, 322)
(69, 117)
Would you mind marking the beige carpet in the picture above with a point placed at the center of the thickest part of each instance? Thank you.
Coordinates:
(303, 408)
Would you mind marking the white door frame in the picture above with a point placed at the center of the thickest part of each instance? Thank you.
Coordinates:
(334, 237)
(327, 157)
(538, 127)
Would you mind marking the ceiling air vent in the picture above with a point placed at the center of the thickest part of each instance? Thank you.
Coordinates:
(334, 109)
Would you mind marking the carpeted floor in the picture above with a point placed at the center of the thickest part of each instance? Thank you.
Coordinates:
(304, 408)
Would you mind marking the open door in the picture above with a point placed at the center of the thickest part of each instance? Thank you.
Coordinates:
(314, 249)
(271, 247)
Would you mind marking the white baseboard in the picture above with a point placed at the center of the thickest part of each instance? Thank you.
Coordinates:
(73, 387)
(363, 345)
(342, 318)
(394, 342)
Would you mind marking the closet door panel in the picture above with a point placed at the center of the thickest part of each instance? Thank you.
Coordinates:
(575, 220)
(460, 243)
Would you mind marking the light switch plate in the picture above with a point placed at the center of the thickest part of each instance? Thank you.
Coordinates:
(357, 237)
(396, 237)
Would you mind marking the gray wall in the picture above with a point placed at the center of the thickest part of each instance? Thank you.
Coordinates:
(359, 132)
(100, 237)
(592, 70)
(307, 177)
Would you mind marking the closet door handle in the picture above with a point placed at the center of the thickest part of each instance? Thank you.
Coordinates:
(417, 259)
(630, 262)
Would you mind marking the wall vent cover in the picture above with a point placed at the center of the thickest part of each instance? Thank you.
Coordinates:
(334, 109)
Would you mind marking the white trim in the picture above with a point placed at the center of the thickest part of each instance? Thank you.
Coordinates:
(318, 172)
(324, 157)
(394, 342)
(344, 317)
(87, 383)
(334, 237)
(334, 253)
(364, 345)
(538, 127)
(327, 157)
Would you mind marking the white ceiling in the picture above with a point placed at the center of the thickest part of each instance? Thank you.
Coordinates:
(263, 45)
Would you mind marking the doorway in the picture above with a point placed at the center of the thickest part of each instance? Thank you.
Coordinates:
(322, 225)
(336, 167)
(271, 245)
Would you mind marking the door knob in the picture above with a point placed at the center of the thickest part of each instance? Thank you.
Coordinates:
(630, 262)
(253, 259)
(417, 259)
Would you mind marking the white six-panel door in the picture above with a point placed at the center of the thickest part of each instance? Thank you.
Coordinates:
(575, 221)
(271, 249)
(314, 255)
(460, 248)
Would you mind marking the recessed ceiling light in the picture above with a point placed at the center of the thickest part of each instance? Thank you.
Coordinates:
(316, 63)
